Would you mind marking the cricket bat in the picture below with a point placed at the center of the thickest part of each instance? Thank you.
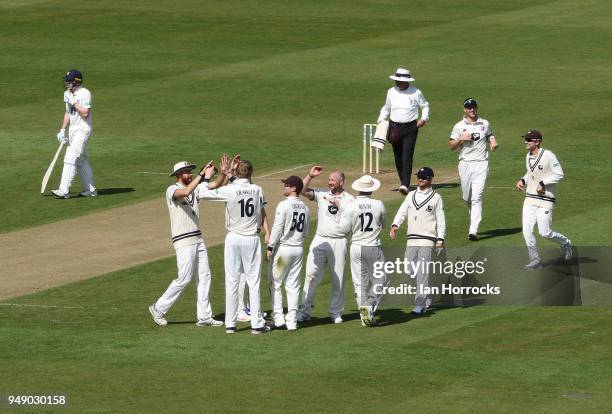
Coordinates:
(45, 179)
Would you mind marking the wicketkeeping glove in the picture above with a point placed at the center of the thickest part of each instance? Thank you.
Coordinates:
(69, 98)
(61, 136)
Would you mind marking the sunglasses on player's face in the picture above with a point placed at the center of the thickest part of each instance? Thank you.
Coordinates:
(531, 139)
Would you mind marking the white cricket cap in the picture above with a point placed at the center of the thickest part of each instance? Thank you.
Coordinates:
(183, 165)
(402, 75)
(366, 184)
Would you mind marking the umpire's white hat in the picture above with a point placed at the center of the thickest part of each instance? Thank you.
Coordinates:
(402, 75)
(183, 165)
(366, 184)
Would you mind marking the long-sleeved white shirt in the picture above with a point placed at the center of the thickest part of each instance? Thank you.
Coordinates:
(424, 211)
(291, 221)
(403, 106)
(365, 219)
(542, 167)
(243, 204)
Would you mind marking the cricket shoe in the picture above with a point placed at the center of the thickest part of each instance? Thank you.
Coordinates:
(472, 237)
(60, 194)
(258, 331)
(533, 264)
(230, 329)
(567, 250)
(419, 310)
(302, 316)
(158, 317)
(209, 322)
(88, 193)
(291, 327)
(336, 319)
(365, 313)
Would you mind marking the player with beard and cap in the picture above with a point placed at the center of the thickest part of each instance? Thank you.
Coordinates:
(543, 173)
(424, 211)
(285, 249)
(183, 200)
(329, 244)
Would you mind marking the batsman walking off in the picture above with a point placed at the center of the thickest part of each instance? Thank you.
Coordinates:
(78, 118)
(543, 172)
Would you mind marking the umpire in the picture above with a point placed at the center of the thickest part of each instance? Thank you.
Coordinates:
(402, 109)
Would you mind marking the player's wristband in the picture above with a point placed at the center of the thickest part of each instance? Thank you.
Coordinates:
(440, 240)
(311, 176)
(523, 181)
(542, 184)
(232, 179)
(270, 248)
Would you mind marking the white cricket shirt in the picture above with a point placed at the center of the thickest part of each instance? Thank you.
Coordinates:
(291, 221)
(480, 131)
(365, 218)
(185, 215)
(83, 97)
(243, 204)
(403, 106)
(543, 167)
(424, 212)
(329, 215)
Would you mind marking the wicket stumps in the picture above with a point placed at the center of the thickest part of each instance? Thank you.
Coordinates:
(368, 133)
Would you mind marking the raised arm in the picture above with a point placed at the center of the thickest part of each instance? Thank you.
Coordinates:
(307, 192)
(205, 174)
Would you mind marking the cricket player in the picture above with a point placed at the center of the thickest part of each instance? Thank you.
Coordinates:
(329, 244)
(365, 219)
(424, 211)
(244, 216)
(470, 137)
(286, 250)
(78, 117)
(543, 172)
(183, 203)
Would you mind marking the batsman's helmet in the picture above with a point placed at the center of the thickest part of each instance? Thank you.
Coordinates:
(73, 78)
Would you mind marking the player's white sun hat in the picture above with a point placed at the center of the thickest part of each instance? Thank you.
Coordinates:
(402, 75)
(183, 165)
(366, 184)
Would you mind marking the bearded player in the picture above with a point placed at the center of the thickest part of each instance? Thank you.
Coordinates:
(77, 117)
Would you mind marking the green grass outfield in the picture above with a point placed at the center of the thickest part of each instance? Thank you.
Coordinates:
(287, 83)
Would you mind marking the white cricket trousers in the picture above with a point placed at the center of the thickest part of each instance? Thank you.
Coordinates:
(362, 272)
(543, 217)
(473, 180)
(76, 160)
(242, 255)
(191, 260)
(286, 269)
(420, 256)
(323, 251)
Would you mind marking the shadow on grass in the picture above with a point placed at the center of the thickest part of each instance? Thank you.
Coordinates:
(111, 191)
(499, 232)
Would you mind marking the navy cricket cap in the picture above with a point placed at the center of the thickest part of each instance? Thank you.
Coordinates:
(73, 75)
(470, 103)
(425, 173)
(532, 135)
(294, 181)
